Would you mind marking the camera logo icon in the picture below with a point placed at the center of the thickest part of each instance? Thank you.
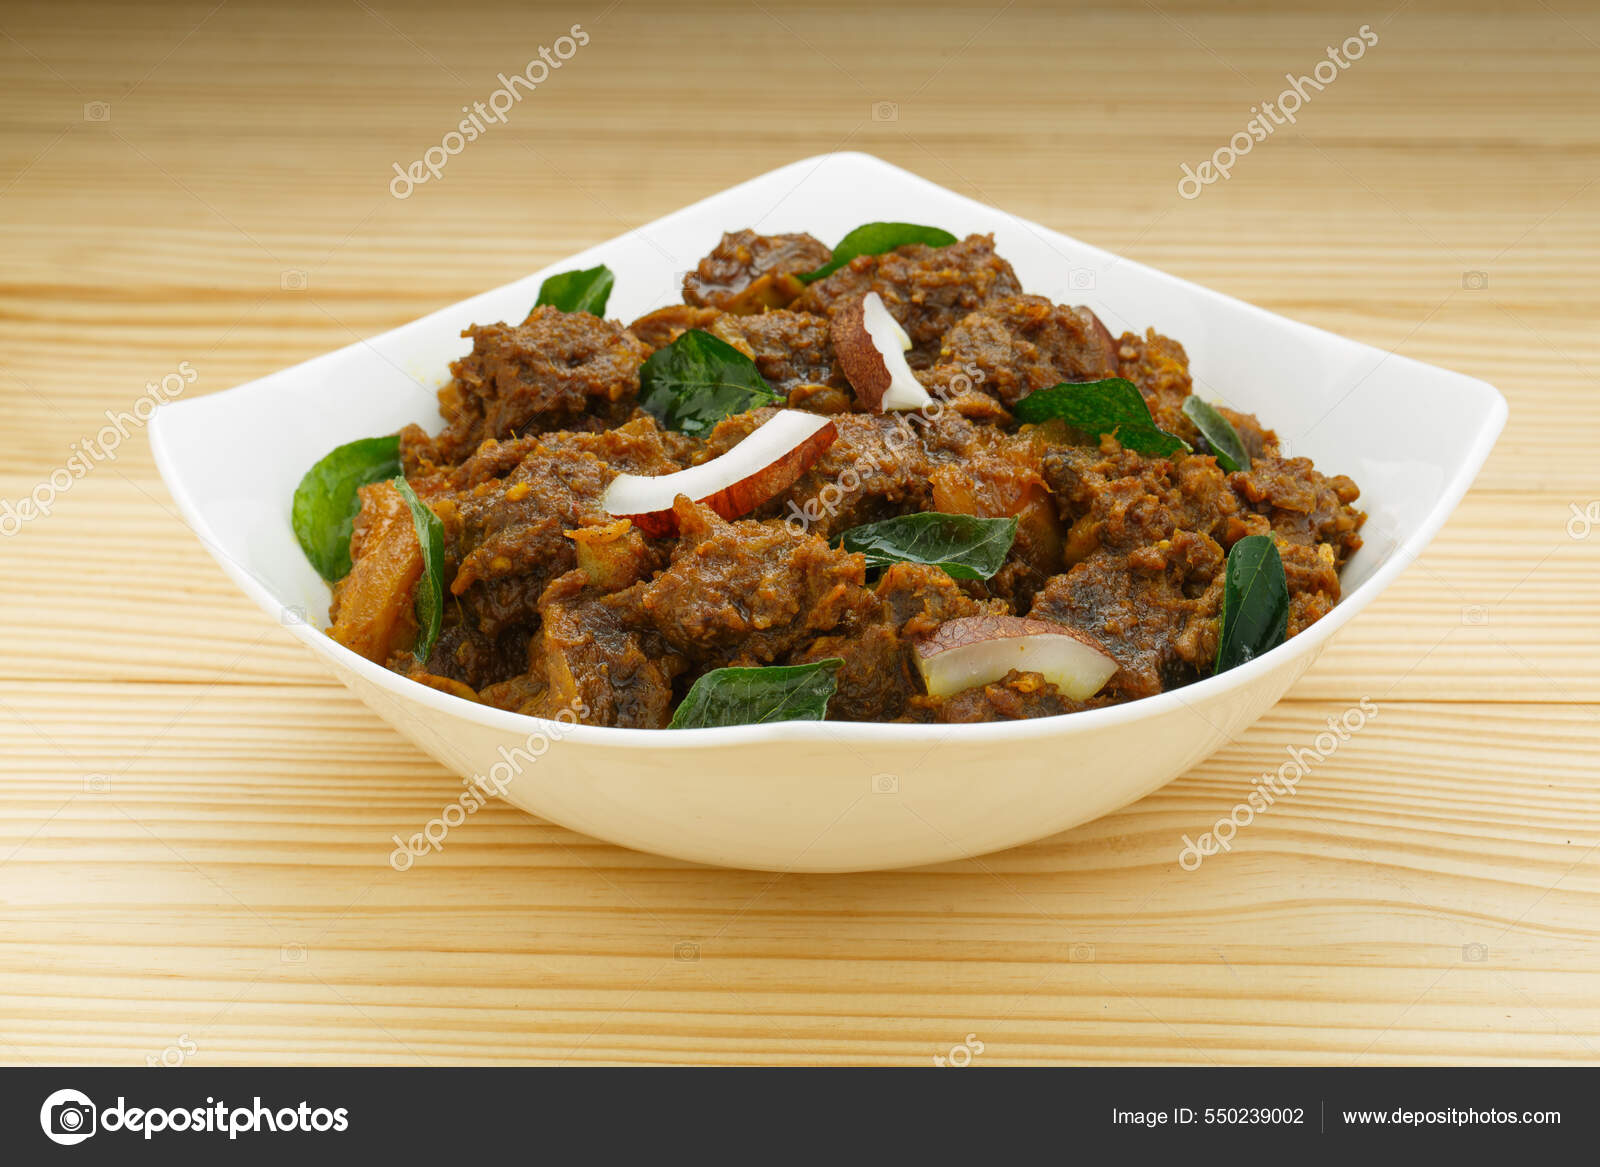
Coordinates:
(68, 1117)
(886, 111)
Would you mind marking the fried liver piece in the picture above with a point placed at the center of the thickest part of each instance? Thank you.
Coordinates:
(748, 273)
(927, 289)
(555, 370)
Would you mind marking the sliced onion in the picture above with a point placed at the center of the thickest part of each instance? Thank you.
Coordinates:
(766, 463)
(976, 650)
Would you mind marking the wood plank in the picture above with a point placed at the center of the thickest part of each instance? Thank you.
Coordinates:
(274, 888)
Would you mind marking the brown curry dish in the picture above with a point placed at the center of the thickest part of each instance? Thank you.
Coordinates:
(554, 601)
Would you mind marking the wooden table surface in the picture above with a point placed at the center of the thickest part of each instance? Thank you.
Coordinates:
(196, 821)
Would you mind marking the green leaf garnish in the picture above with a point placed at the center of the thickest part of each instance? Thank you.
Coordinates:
(965, 546)
(1112, 406)
(1219, 432)
(875, 239)
(757, 696)
(578, 291)
(1255, 602)
(326, 503)
(698, 380)
(430, 587)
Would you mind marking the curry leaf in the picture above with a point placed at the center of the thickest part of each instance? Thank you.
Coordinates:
(326, 504)
(1255, 602)
(875, 239)
(430, 588)
(965, 546)
(755, 696)
(1219, 432)
(1112, 406)
(697, 380)
(578, 291)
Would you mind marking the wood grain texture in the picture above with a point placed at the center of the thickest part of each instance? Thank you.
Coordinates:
(196, 821)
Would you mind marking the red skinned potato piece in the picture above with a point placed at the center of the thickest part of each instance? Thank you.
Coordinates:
(976, 650)
(764, 464)
(871, 347)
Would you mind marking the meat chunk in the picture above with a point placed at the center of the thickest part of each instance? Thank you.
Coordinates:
(980, 470)
(1014, 696)
(748, 273)
(1155, 611)
(915, 598)
(879, 676)
(638, 446)
(791, 349)
(1160, 368)
(505, 535)
(1303, 505)
(749, 592)
(1259, 441)
(663, 326)
(1146, 544)
(927, 289)
(1313, 579)
(589, 660)
(474, 659)
(1017, 345)
(554, 370)
(372, 606)
(1113, 497)
(876, 680)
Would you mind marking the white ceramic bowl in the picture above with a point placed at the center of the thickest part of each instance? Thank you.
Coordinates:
(824, 796)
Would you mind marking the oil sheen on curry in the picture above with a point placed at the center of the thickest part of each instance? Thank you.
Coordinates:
(878, 482)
